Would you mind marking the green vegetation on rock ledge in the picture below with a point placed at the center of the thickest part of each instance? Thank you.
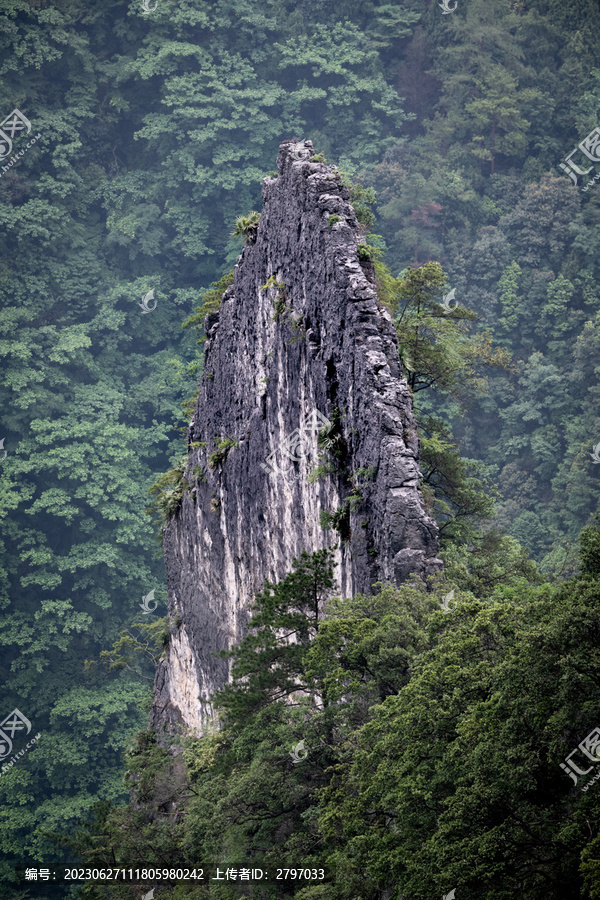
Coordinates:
(211, 301)
(224, 445)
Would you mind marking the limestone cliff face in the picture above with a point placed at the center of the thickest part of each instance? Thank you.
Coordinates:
(280, 363)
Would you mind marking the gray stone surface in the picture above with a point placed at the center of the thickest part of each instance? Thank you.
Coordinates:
(263, 377)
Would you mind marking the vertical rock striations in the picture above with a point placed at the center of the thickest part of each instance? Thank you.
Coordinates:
(314, 345)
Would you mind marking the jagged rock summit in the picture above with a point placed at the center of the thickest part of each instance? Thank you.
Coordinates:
(300, 345)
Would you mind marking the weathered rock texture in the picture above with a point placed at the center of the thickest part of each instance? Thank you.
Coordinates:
(317, 340)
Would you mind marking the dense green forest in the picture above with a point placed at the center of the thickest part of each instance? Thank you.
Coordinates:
(434, 741)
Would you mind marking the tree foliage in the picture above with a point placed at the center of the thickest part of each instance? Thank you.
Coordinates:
(401, 741)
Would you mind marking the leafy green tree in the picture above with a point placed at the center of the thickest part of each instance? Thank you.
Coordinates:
(268, 664)
(364, 648)
(589, 552)
(439, 352)
(510, 300)
(455, 781)
(496, 112)
(487, 561)
(459, 491)
(435, 346)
